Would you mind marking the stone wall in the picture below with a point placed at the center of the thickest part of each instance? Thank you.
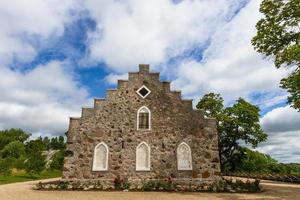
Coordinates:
(113, 120)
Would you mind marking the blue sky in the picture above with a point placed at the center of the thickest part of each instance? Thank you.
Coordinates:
(56, 59)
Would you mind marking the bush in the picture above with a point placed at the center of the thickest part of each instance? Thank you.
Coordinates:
(10, 135)
(121, 184)
(62, 185)
(35, 164)
(58, 160)
(14, 149)
(154, 185)
(235, 185)
(5, 167)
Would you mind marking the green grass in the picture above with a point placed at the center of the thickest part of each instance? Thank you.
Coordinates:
(21, 176)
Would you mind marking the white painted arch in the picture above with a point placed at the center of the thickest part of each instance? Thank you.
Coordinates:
(142, 161)
(143, 109)
(100, 159)
(184, 157)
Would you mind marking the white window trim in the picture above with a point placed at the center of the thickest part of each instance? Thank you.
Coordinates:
(137, 168)
(138, 113)
(143, 86)
(95, 168)
(190, 157)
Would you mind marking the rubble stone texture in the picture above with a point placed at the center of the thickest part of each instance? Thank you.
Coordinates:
(113, 121)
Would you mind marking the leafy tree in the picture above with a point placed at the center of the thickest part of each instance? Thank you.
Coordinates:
(254, 161)
(278, 37)
(5, 167)
(212, 104)
(292, 84)
(15, 149)
(235, 124)
(58, 160)
(35, 163)
(46, 142)
(34, 146)
(10, 135)
(57, 143)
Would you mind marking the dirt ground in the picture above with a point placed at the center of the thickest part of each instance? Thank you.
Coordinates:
(23, 191)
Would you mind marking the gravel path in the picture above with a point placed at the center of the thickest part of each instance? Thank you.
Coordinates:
(23, 191)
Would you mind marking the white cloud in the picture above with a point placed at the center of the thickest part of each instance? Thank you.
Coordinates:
(43, 97)
(283, 128)
(283, 146)
(132, 32)
(40, 100)
(112, 79)
(22, 19)
(230, 65)
(281, 119)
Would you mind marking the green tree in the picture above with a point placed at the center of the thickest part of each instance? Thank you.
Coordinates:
(5, 167)
(254, 161)
(33, 146)
(278, 37)
(57, 143)
(35, 163)
(15, 149)
(211, 104)
(235, 124)
(58, 160)
(46, 142)
(10, 135)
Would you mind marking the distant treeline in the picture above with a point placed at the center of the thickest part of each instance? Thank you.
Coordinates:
(256, 162)
(18, 151)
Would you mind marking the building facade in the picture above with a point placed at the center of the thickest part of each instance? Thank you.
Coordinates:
(142, 131)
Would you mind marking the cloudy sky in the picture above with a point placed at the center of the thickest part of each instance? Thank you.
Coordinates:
(56, 56)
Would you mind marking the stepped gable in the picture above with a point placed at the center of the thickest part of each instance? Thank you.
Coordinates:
(142, 130)
(143, 73)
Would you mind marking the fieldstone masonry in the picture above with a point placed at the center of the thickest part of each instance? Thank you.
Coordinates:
(113, 121)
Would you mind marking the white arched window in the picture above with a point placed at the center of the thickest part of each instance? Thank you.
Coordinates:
(184, 157)
(143, 118)
(100, 160)
(143, 157)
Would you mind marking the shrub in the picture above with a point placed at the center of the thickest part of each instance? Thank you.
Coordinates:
(58, 160)
(154, 185)
(35, 164)
(5, 167)
(149, 186)
(63, 185)
(233, 185)
(14, 149)
(118, 183)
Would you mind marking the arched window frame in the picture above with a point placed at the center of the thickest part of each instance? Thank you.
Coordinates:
(96, 168)
(190, 157)
(138, 168)
(138, 118)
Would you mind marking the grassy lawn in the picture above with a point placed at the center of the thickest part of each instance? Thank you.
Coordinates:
(20, 176)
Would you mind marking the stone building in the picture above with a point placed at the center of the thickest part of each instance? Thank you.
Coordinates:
(142, 130)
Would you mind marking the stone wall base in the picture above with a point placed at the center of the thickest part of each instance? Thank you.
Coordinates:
(181, 184)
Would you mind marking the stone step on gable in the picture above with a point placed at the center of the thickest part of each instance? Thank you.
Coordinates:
(86, 112)
(199, 114)
(111, 94)
(122, 84)
(211, 122)
(73, 124)
(176, 94)
(151, 76)
(166, 86)
(188, 103)
(98, 103)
